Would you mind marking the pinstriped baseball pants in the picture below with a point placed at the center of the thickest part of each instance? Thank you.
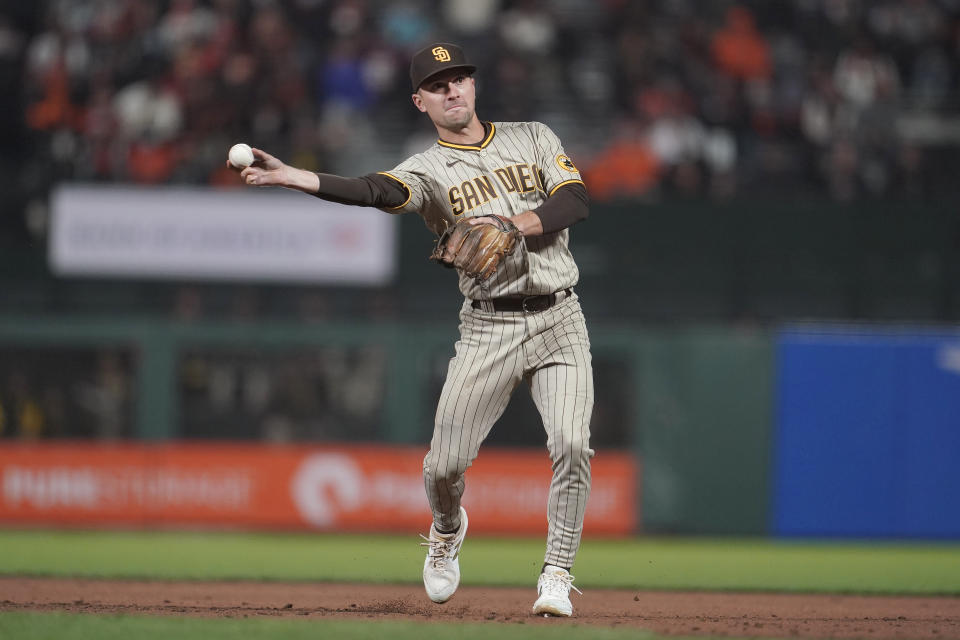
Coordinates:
(550, 352)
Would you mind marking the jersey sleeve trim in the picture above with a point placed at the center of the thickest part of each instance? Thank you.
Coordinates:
(405, 186)
(552, 191)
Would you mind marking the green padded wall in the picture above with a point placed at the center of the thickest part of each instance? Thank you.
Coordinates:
(704, 431)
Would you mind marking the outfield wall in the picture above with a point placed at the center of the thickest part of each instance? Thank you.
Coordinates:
(664, 397)
(808, 431)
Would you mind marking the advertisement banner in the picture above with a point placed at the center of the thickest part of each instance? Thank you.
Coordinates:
(330, 488)
(180, 232)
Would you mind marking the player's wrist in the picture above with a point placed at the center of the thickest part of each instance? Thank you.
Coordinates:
(528, 223)
(299, 179)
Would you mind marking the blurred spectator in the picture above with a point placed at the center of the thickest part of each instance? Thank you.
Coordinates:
(407, 23)
(107, 396)
(739, 49)
(528, 28)
(24, 413)
(149, 116)
(626, 169)
(861, 75)
(341, 78)
(470, 17)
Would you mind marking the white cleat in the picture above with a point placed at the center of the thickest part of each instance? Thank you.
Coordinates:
(554, 586)
(441, 569)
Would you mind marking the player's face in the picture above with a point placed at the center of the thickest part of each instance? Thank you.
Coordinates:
(449, 99)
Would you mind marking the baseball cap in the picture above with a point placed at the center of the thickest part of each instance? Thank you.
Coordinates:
(435, 58)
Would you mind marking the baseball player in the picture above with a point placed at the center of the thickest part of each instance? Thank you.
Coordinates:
(521, 321)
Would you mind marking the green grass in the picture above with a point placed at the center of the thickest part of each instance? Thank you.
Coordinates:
(58, 626)
(641, 563)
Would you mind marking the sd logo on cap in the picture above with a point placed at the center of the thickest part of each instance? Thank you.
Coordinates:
(435, 58)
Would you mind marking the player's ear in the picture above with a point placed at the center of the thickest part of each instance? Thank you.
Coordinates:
(418, 102)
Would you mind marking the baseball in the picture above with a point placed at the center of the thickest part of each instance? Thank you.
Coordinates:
(241, 155)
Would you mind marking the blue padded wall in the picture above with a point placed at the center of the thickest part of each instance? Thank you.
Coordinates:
(867, 441)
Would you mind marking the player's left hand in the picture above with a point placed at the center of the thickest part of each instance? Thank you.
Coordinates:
(475, 246)
(528, 222)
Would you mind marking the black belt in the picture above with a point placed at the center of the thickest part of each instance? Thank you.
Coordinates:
(531, 304)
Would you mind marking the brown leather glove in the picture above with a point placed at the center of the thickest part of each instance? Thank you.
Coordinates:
(476, 249)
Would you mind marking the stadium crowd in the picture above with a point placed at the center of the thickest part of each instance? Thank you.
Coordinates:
(654, 99)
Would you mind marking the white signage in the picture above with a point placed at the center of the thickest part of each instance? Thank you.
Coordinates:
(92, 488)
(205, 233)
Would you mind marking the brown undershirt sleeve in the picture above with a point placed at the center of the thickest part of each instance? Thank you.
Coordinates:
(567, 206)
(372, 190)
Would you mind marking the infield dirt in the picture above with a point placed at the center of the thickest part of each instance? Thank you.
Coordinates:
(672, 613)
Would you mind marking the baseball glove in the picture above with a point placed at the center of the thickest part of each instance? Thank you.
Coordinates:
(476, 249)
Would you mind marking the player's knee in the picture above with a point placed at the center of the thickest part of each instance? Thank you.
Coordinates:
(445, 469)
(574, 447)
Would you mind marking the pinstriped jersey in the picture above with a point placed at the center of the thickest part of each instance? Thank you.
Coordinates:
(514, 169)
